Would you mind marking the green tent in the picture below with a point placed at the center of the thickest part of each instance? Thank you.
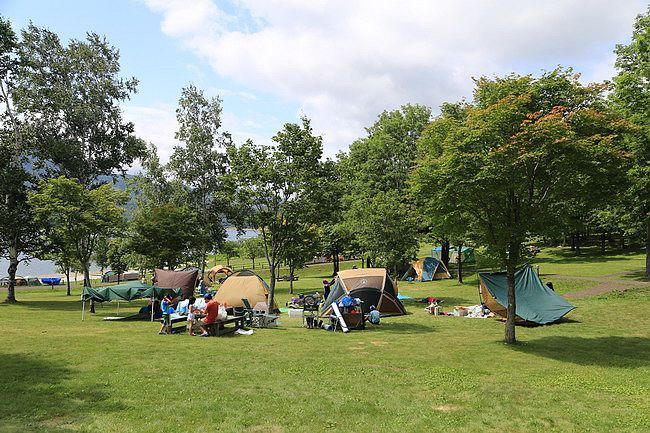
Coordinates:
(536, 303)
(125, 292)
(467, 254)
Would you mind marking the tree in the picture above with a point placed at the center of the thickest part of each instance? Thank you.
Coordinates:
(76, 218)
(70, 97)
(100, 257)
(163, 234)
(301, 247)
(19, 235)
(277, 187)
(252, 248)
(375, 171)
(632, 97)
(526, 148)
(201, 165)
(116, 255)
(230, 249)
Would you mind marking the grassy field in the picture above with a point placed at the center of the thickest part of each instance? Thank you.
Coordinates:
(413, 373)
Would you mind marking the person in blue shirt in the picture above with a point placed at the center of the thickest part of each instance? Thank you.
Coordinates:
(374, 316)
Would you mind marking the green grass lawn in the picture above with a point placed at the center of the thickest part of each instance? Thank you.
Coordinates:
(410, 374)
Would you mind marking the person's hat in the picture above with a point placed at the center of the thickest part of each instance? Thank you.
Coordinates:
(207, 296)
(372, 307)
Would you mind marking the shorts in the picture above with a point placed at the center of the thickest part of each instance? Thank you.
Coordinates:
(191, 317)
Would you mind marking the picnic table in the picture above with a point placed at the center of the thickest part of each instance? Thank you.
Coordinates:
(214, 329)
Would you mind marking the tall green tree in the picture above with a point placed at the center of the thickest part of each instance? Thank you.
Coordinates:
(376, 171)
(76, 217)
(117, 256)
(252, 248)
(276, 185)
(527, 147)
(201, 163)
(71, 96)
(19, 235)
(632, 96)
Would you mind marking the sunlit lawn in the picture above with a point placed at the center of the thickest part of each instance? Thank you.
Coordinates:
(411, 373)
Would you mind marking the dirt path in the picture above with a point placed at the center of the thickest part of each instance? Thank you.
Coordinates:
(607, 284)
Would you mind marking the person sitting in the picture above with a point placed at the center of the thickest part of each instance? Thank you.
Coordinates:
(183, 307)
(211, 311)
(374, 315)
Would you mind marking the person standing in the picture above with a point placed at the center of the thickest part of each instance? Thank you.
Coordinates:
(326, 289)
(191, 316)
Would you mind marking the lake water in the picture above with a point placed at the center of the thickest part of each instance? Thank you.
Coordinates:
(45, 267)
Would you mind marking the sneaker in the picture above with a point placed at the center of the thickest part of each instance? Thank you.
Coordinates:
(205, 334)
(162, 333)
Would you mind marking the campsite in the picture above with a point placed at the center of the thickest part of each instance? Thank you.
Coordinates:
(297, 216)
(589, 370)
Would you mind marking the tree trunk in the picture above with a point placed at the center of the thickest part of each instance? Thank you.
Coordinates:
(86, 269)
(573, 241)
(459, 261)
(512, 306)
(363, 263)
(444, 253)
(291, 269)
(272, 286)
(203, 259)
(13, 267)
(647, 247)
(602, 242)
(67, 278)
(368, 262)
(253, 263)
(578, 244)
(622, 241)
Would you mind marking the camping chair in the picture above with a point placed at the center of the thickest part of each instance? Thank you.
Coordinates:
(309, 310)
(260, 320)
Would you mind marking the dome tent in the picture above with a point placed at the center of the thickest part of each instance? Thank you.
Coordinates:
(372, 285)
(243, 284)
(426, 269)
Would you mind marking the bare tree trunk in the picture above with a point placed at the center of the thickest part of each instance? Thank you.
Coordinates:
(510, 337)
(602, 242)
(67, 279)
(459, 261)
(13, 267)
(253, 263)
(647, 247)
(272, 286)
(573, 241)
(291, 269)
(578, 251)
(444, 253)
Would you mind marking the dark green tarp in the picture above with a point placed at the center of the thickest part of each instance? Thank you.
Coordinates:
(127, 292)
(535, 301)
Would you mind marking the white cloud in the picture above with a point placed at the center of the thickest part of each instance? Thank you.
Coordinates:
(344, 62)
(156, 124)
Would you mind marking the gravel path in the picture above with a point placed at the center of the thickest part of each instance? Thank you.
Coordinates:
(606, 284)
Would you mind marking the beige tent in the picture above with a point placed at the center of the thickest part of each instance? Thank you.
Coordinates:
(211, 275)
(243, 284)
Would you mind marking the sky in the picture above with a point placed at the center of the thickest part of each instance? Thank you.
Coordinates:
(339, 62)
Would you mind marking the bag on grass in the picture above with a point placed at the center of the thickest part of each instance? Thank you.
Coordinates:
(222, 314)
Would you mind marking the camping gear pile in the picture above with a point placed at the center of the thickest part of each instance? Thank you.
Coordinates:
(299, 301)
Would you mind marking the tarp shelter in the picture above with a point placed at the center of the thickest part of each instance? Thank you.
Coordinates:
(211, 275)
(372, 285)
(126, 292)
(467, 254)
(186, 280)
(243, 284)
(426, 269)
(536, 303)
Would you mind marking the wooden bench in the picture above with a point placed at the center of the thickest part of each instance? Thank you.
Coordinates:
(217, 328)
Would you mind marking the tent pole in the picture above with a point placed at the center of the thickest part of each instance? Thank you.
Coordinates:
(152, 304)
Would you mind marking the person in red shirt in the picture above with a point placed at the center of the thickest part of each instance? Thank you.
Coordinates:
(211, 310)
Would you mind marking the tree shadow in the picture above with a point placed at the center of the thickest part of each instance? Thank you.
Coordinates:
(400, 327)
(448, 304)
(588, 255)
(37, 395)
(74, 304)
(622, 352)
(635, 275)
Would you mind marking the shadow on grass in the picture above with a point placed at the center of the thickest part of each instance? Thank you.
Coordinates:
(448, 304)
(400, 327)
(37, 396)
(623, 352)
(74, 304)
(635, 276)
(588, 255)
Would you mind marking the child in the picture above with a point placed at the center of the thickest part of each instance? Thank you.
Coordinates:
(166, 327)
(191, 316)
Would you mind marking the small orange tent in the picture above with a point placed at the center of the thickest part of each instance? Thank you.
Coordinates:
(211, 275)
